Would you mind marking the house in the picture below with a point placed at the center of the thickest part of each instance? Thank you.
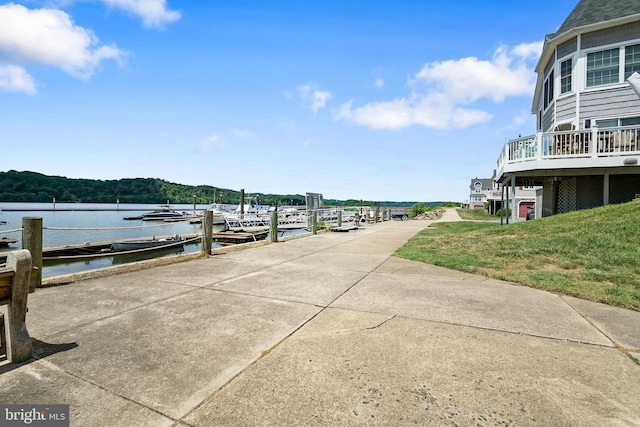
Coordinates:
(586, 148)
(486, 190)
(481, 189)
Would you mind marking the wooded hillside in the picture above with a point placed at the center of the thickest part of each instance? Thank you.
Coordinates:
(35, 187)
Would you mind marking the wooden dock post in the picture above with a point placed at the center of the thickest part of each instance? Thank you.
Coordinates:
(339, 218)
(207, 233)
(32, 241)
(376, 214)
(273, 227)
(314, 222)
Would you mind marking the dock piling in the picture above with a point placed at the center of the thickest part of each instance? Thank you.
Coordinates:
(273, 227)
(207, 233)
(32, 241)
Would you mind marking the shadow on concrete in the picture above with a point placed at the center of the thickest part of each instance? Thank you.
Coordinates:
(41, 350)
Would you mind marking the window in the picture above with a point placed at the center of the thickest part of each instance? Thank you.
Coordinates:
(612, 123)
(565, 76)
(609, 123)
(602, 67)
(548, 90)
(631, 121)
(631, 60)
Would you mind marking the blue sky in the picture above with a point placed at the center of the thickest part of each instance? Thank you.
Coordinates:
(377, 100)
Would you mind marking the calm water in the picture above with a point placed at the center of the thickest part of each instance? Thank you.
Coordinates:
(85, 216)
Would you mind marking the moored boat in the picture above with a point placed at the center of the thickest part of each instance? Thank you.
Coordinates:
(164, 212)
(6, 241)
(239, 237)
(133, 245)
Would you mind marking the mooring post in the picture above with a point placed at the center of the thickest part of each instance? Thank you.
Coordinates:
(273, 227)
(32, 241)
(207, 233)
(340, 218)
(314, 222)
(21, 347)
(376, 214)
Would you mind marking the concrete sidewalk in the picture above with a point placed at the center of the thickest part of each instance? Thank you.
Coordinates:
(326, 330)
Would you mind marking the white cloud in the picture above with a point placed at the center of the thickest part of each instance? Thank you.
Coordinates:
(379, 82)
(431, 111)
(241, 133)
(154, 13)
(441, 91)
(317, 98)
(208, 143)
(16, 79)
(49, 37)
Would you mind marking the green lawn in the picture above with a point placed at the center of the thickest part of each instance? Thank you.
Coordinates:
(475, 214)
(591, 254)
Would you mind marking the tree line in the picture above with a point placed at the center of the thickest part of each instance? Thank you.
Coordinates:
(28, 186)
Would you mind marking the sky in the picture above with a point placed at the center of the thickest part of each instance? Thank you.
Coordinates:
(403, 100)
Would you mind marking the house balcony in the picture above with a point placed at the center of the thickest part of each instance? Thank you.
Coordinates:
(588, 149)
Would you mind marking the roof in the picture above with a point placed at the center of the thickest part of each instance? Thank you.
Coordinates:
(487, 184)
(589, 12)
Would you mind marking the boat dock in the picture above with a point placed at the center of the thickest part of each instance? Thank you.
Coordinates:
(327, 329)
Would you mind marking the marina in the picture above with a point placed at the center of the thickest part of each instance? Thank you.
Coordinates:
(80, 237)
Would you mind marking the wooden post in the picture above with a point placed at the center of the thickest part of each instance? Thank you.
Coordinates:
(339, 218)
(242, 203)
(314, 222)
(20, 348)
(376, 214)
(32, 241)
(207, 233)
(273, 227)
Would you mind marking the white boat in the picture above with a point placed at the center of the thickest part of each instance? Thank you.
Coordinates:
(146, 244)
(165, 212)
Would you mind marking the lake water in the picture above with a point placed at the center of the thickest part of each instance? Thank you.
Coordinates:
(86, 217)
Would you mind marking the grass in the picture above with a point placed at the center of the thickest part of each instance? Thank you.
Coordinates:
(475, 214)
(591, 254)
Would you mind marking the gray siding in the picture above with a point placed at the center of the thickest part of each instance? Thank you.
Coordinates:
(548, 119)
(607, 36)
(568, 47)
(618, 102)
(549, 65)
(566, 108)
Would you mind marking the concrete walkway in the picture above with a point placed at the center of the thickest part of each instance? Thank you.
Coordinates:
(326, 330)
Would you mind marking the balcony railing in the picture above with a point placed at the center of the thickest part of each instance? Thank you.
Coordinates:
(566, 145)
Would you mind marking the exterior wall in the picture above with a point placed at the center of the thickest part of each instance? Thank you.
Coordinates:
(549, 189)
(548, 119)
(568, 47)
(607, 36)
(612, 102)
(549, 65)
(566, 108)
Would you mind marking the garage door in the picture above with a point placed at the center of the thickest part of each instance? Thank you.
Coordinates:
(524, 207)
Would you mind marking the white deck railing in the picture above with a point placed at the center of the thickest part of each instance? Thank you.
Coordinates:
(566, 145)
